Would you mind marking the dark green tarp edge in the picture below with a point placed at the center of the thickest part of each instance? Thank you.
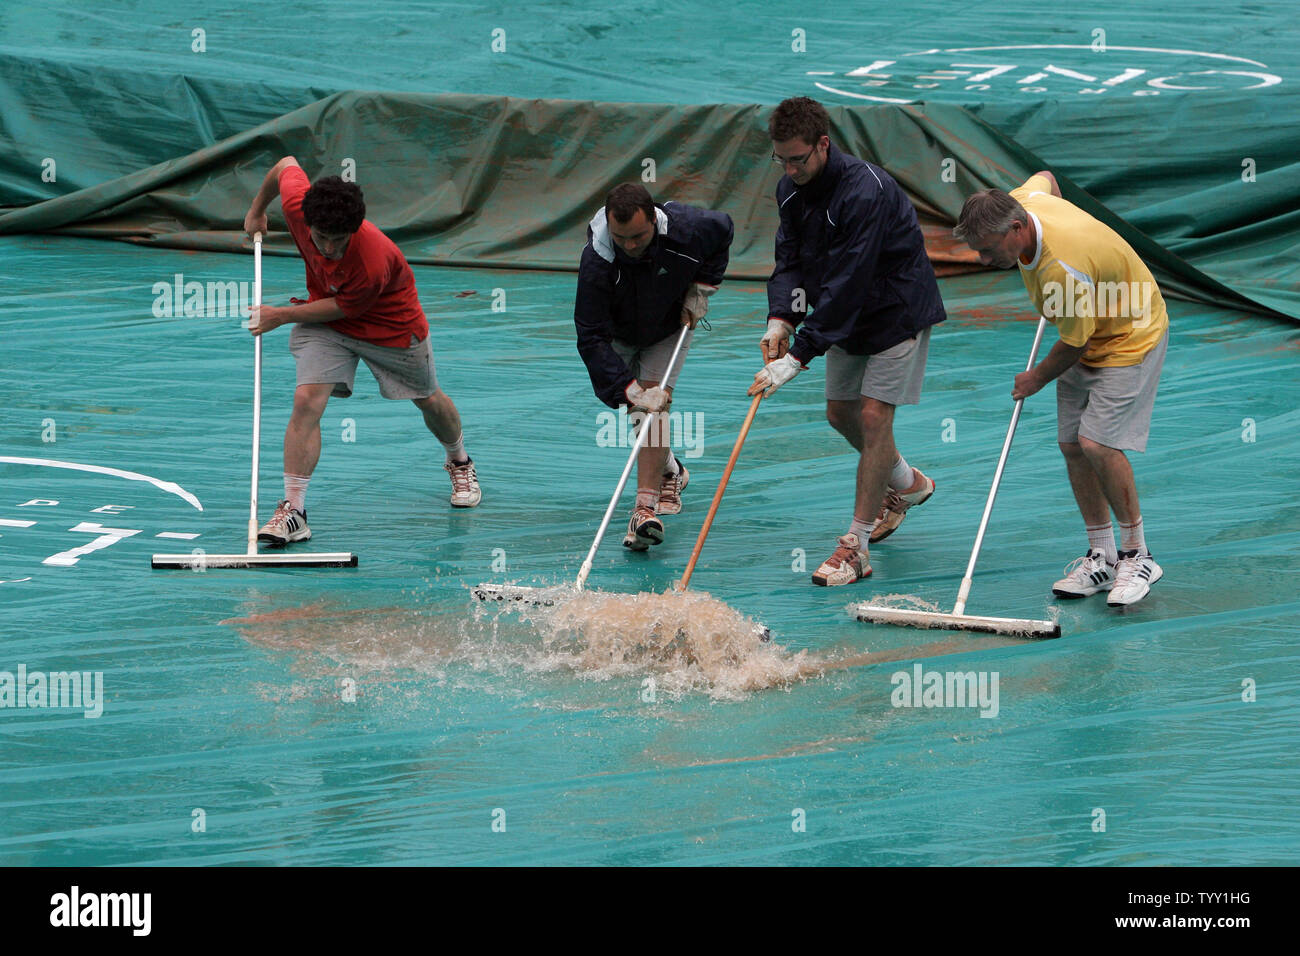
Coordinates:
(463, 180)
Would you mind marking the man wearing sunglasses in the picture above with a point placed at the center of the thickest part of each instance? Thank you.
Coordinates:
(852, 270)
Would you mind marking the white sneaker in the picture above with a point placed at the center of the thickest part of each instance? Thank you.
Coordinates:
(1134, 574)
(1086, 575)
(670, 491)
(849, 563)
(643, 529)
(287, 525)
(895, 506)
(465, 492)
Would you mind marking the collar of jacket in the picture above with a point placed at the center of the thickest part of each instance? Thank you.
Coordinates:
(604, 245)
(828, 178)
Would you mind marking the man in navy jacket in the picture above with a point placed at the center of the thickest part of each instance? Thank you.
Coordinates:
(647, 270)
(850, 249)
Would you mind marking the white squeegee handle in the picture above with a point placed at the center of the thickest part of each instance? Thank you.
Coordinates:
(964, 593)
(257, 395)
(627, 469)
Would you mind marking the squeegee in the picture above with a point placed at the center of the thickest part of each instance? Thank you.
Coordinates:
(958, 620)
(198, 560)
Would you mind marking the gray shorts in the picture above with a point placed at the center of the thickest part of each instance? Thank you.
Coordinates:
(649, 362)
(1111, 406)
(326, 357)
(892, 376)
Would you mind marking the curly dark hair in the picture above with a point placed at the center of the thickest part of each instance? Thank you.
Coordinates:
(799, 117)
(623, 201)
(334, 206)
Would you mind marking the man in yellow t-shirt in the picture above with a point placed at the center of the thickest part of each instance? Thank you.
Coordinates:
(1085, 279)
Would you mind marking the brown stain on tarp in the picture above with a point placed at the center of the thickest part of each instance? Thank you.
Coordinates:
(824, 746)
(308, 612)
(986, 318)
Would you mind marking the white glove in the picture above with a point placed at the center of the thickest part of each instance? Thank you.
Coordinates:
(775, 374)
(696, 303)
(649, 399)
(777, 340)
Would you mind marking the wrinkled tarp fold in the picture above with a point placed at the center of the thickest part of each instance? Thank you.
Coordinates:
(481, 181)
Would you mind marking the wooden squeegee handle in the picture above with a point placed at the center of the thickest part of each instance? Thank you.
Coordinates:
(717, 495)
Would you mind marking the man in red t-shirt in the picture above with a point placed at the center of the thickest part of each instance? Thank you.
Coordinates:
(361, 305)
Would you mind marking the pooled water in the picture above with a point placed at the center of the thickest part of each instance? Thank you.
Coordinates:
(687, 641)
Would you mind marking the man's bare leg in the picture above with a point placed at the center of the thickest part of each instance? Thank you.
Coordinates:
(868, 425)
(301, 453)
(442, 418)
(1113, 479)
(876, 460)
(1086, 484)
(651, 462)
(1113, 482)
(846, 418)
(302, 436)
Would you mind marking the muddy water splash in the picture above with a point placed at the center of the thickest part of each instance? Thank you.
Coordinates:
(685, 640)
(688, 642)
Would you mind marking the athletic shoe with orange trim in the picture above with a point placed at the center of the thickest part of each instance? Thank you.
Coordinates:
(849, 563)
(895, 506)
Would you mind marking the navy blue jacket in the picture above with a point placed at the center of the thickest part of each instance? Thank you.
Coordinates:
(851, 241)
(639, 301)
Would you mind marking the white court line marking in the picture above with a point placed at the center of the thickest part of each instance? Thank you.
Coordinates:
(168, 486)
(16, 581)
(1087, 46)
(861, 96)
(183, 535)
(107, 538)
(13, 523)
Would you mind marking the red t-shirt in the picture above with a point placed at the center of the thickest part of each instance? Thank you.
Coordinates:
(372, 283)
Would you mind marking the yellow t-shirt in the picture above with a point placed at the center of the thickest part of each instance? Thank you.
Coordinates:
(1089, 282)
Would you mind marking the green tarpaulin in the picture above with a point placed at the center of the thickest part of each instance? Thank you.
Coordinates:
(1181, 120)
(506, 183)
(367, 715)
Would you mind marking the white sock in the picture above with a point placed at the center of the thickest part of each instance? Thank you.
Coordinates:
(1131, 537)
(900, 479)
(456, 449)
(295, 489)
(649, 497)
(862, 529)
(1102, 538)
(673, 466)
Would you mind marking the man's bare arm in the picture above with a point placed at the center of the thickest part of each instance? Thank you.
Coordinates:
(255, 221)
(1061, 358)
(270, 317)
(1056, 188)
